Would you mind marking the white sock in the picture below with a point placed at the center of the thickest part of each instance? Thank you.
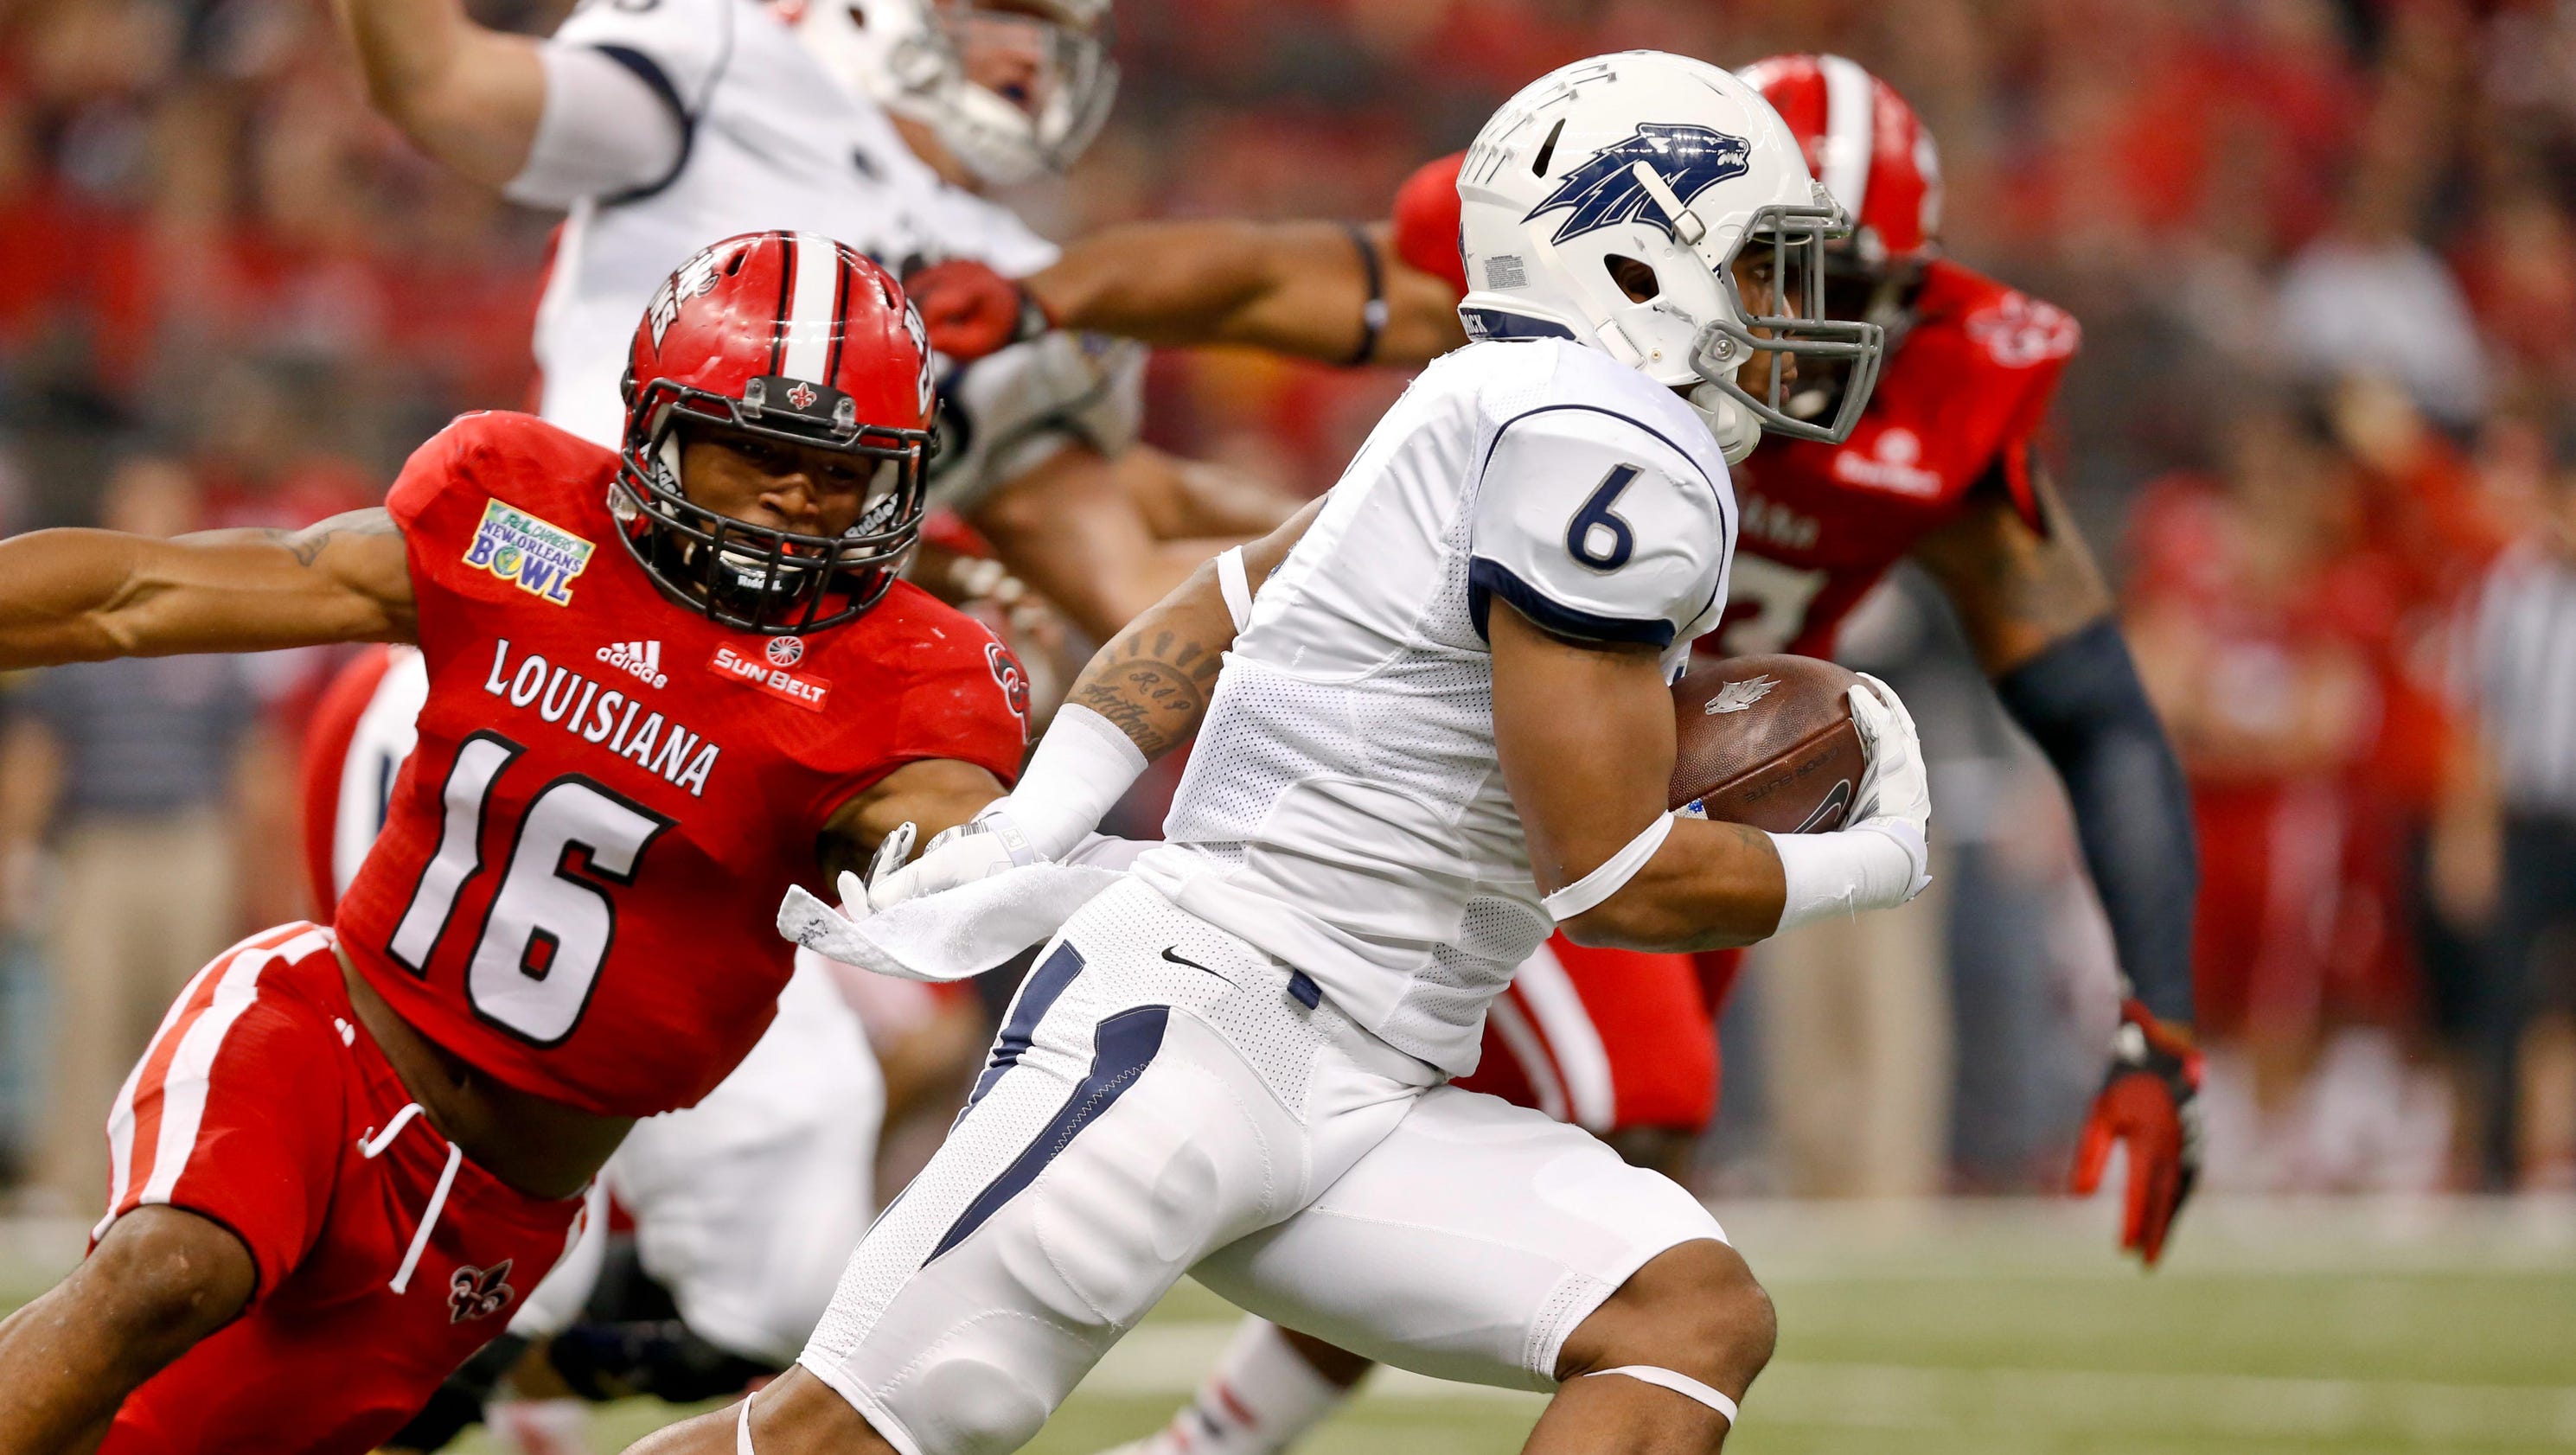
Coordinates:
(1261, 1397)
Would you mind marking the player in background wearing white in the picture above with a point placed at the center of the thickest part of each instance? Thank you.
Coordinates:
(1446, 726)
(662, 125)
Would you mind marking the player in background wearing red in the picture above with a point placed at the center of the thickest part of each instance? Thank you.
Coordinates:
(1942, 468)
(350, 1149)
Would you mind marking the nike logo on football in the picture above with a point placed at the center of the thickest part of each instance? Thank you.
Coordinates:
(1193, 964)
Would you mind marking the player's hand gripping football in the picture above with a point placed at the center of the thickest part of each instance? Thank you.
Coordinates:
(985, 845)
(2150, 1104)
(972, 310)
(1895, 795)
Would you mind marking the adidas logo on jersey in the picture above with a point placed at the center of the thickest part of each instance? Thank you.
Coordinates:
(641, 660)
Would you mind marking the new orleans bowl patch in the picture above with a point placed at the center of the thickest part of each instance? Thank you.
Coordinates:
(540, 558)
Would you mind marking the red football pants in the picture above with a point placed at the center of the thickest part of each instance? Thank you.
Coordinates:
(384, 1259)
(1605, 1039)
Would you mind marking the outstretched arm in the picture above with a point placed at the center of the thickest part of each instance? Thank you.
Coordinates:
(86, 595)
(2039, 617)
(469, 96)
(2037, 613)
(1301, 288)
(549, 122)
(1291, 287)
(1081, 530)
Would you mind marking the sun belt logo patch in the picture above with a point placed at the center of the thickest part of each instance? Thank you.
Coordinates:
(1603, 191)
(538, 557)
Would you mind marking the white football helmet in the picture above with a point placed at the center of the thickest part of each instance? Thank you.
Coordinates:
(910, 56)
(1607, 202)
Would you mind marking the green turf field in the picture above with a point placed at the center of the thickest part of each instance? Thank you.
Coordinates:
(2278, 1329)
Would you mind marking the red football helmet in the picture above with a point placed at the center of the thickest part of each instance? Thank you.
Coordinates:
(788, 337)
(1867, 146)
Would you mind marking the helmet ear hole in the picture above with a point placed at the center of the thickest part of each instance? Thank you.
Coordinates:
(1547, 149)
(1636, 279)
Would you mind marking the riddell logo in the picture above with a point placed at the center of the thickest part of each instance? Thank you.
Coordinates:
(641, 660)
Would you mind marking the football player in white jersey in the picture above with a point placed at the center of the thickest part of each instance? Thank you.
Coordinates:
(661, 125)
(1443, 726)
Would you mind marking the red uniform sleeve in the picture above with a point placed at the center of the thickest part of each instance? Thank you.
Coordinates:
(428, 478)
(1426, 221)
(2028, 342)
(970, 704)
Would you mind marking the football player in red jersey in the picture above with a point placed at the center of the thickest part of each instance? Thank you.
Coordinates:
(350, 1149)
(1942, 468)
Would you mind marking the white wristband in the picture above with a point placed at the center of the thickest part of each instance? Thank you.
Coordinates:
(1234, 582)
(1867, 866)
(1081, 768)
(1613, 874)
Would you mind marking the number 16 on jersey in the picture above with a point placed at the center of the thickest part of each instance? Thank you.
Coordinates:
(548, 928)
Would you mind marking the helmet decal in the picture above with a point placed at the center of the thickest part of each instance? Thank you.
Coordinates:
(1604, 191)
(696, 276)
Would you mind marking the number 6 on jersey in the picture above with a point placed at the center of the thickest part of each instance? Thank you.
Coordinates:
(1595, 517)
(548, 928)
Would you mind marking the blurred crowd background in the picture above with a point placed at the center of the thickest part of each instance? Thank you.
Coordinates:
(2323, 430)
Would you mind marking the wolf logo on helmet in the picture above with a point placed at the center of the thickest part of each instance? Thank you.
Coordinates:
(1606, 189)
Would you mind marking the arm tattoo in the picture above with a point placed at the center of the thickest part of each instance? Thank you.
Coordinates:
(1152, 685)
(309, 542)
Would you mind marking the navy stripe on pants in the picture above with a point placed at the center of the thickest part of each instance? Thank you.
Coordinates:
(1121, 1049)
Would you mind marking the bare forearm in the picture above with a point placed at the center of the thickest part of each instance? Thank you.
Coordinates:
(1153, 680)
(63, 1389)
(1295, 287)
(1184, 499)
(64, 588)
(86, 595)
(468, 96)
(1712, 886)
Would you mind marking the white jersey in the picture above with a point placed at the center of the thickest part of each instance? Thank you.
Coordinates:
(770, 140)
(1344, 809)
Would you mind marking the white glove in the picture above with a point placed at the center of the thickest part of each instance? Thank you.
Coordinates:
(988, 844)
(1895, 796)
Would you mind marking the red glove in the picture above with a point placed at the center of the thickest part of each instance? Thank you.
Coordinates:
(2148, 1103)
(971, 310)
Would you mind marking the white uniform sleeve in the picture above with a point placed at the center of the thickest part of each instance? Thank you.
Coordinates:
(1006, 414)
(675, 50)
(605, 130)
(1596, 529)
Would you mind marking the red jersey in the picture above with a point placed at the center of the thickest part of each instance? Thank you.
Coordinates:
(1958, 399)
(577, 884)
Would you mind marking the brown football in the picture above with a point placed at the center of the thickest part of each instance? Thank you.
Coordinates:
(1766, 741)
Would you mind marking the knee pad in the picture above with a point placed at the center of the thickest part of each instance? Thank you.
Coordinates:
(962, 1405)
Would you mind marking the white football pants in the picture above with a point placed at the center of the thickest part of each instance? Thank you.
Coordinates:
(1164, 1098)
